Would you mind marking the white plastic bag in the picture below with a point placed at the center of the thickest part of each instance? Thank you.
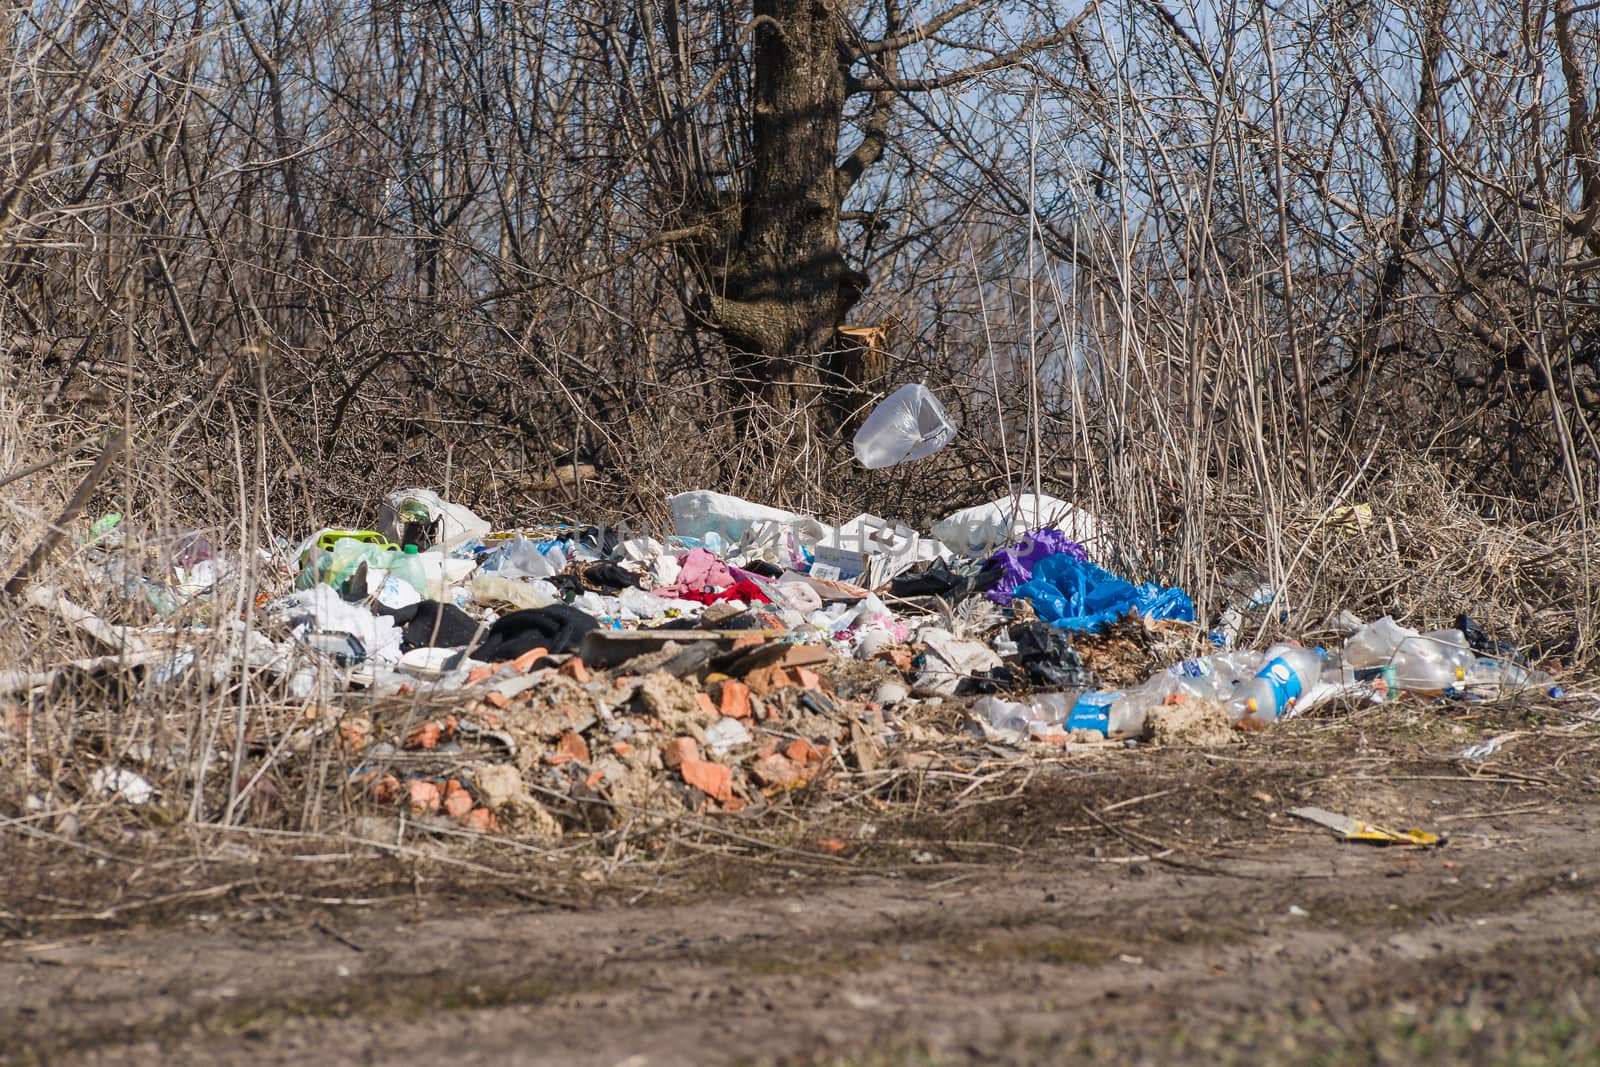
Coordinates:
(909, 425)
(459, 526)
(1000, 522)
(700, 512)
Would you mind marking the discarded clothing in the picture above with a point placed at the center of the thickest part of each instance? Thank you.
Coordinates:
(1077, 596)
(762, 569)
(430, 624)
(559, 628)
(1016, 564)
(699, 573)
(743, 589)
(937, 579)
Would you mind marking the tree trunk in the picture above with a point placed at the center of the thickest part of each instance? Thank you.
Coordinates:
(785, 286)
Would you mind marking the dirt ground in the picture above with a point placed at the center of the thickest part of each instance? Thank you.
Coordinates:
(1148, 905)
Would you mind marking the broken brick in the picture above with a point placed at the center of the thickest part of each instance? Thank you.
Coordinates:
(575, 670)
(573, 743)
(898, 655)
(524, 663)
(778, 772)
(679, 749)
(480, 821)
(733, 699)
(425, 736)
(479, 673)
(807, 678)
(748, 641)
(764, 681)
(704, 700)
(457, 801)
(803, 752)
(496, 699)
(386, 790)
(422, 797)
(712, 779)
(830, 844)
(570, 749)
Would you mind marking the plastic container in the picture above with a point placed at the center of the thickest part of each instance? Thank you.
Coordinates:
(1375, 644)
(1081, 709)
(1505, 675)
(1433, 663)
(337, 564)
(1288, 672)
(1073, 709)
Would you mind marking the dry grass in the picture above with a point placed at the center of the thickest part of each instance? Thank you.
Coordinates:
(228, 743)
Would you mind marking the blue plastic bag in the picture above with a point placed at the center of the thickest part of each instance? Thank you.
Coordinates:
(1075, 595)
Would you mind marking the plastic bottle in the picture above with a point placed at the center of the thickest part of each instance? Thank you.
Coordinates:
(1433, 663)
(1375, 644)
(1081, 709)
(1074, 709)
(1004, 714)
(1505, 675)
(1289, 671)
(1208, 677)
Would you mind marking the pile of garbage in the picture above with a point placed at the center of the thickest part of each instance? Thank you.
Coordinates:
(552, 678)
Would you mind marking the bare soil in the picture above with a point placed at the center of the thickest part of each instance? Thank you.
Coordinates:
(1155, 905)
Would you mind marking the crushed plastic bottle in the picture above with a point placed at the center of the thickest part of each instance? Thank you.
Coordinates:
(1505, 675)
(1289, 672)
(1073, 709)
(1433, 663)
(1374, 644)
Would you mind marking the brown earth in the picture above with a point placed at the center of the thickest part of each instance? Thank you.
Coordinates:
(1155, 905)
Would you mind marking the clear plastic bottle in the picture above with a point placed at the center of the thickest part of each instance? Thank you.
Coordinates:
(1375, 644)
(1433, 663)
(1289, 672)
(1208, 677)
(1081, 709)
(1505, 675)
(1004, 714)
(1074, 709)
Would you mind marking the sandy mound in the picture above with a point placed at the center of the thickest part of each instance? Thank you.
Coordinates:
(1196, 723)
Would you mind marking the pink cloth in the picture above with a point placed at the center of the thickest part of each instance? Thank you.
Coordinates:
(699, 572)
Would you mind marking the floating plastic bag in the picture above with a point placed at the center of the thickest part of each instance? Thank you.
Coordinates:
(909, 425)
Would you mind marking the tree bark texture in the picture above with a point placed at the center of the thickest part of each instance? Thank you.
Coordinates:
(785, 287)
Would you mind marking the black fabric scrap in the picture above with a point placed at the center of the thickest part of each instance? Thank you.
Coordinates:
(559, 628)
(430, 624)
(937, 579)
(607, 577)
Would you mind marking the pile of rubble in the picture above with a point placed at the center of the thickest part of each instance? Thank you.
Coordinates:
(549, 679)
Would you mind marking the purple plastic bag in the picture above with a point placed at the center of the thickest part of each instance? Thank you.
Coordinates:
(1018, 561)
